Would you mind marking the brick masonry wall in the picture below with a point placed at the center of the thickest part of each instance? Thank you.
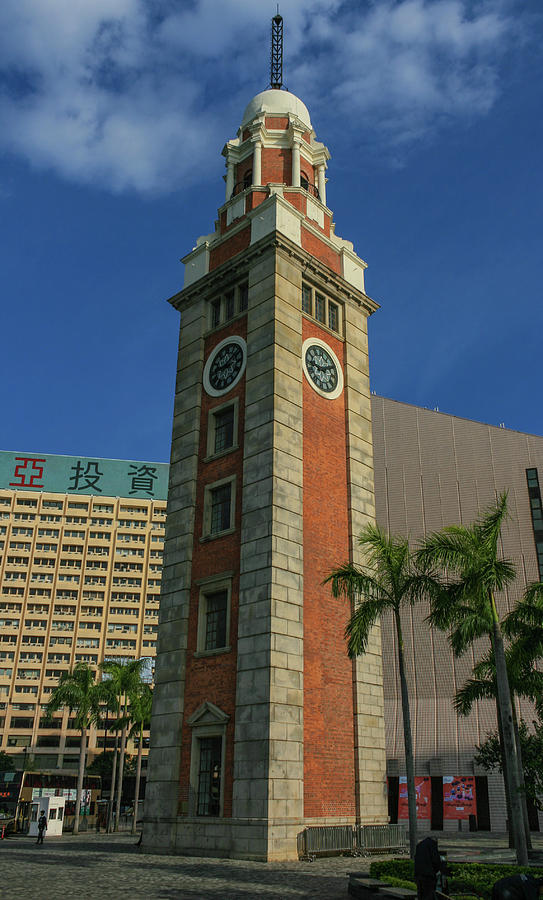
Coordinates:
(214, 678)
(329, 760)
(276, 166)
(322, 251)
(277, 123)
(242, 168)
(230, 247)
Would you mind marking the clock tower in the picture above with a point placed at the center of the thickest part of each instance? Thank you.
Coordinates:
(261, 724)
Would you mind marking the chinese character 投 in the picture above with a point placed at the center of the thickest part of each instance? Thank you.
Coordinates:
(142, 478)
(86, 478)
(24, 471)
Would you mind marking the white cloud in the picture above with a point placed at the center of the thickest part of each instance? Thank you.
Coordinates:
(134, 94)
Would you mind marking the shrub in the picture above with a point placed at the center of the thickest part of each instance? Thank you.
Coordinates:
(467, 879)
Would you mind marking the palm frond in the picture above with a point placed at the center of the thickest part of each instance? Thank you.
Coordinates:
(528, 613)
(467, 630)
(474, 689)
(351, 582)
(448, 549)
(359, 626)
(488, 526)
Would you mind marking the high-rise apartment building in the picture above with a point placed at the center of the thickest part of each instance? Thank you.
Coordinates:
(81, 546)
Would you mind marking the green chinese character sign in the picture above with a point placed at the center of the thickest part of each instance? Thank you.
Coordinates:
(81, 475)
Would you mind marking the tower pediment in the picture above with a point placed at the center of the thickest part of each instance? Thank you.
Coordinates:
(208, 714)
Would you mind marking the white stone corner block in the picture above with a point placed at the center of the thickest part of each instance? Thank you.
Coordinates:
(196, 264)
(315, 212)
(236, 209)
(352, 268)
(275, 214)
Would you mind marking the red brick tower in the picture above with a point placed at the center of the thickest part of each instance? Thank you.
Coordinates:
(261, 724)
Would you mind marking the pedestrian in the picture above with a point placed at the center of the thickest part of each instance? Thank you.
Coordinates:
(428, 863)
(42, 826)
(518, 887)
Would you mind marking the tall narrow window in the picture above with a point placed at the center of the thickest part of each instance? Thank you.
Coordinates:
(306, 299)
(216, 607)
(224, 429)
(229, 305)
(333, 318)
(248, 179)
(320, 307)
(209, 777)
(216, 312)
(220, 508)
(243, 297)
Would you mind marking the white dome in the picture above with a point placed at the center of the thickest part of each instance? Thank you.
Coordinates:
(276, 103)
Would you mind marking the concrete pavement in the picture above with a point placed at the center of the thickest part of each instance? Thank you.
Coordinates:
(107, 867)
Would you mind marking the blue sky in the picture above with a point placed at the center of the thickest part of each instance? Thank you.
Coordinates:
(114, 113)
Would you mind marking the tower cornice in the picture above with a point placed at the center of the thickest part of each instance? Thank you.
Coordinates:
(234, 268)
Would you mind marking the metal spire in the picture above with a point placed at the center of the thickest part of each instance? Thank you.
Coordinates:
(277, 52)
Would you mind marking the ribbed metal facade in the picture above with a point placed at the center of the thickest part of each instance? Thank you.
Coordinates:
(432, 470)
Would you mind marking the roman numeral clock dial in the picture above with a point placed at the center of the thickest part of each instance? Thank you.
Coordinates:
(225, 365)
(322, 368)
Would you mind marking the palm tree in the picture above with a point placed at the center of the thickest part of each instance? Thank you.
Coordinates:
(389, 580)
(139, 715)
(524, 626)
(80, 694)
(123, 683)
(473, 572)
(524, 681)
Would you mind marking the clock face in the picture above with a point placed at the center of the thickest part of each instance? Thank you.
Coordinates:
(322, 368)
(225, 366)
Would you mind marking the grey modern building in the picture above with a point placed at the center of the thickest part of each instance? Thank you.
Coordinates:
(432, 470)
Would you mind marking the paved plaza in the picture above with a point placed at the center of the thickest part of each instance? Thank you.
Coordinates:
(99, 866)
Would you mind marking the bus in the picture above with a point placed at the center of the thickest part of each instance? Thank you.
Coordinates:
(18, 789)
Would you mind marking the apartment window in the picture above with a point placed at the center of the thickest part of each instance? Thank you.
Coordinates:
(320, 307)
(219, 505)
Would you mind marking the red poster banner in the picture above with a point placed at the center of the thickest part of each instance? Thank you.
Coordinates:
(423, 789)
(459, 799)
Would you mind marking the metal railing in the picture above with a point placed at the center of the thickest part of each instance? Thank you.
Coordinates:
(244, 185)
(311, 189)
(358, 840)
